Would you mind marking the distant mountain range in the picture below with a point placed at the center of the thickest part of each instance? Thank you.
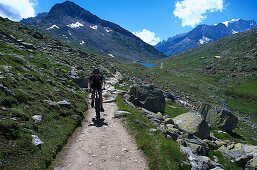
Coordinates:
(78, 27)
(203, 34)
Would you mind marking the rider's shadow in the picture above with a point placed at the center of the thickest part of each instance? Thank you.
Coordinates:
(100, 124)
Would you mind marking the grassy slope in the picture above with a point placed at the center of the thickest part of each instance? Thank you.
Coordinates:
(50, 82)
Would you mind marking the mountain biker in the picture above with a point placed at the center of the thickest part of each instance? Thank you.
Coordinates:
(96, 81)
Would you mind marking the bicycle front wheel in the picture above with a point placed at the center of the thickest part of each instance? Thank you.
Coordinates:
(97, 109)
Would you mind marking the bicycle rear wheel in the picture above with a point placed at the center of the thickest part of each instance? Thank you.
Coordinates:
(97, 109)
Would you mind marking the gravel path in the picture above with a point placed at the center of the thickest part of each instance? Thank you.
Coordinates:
(106, 146)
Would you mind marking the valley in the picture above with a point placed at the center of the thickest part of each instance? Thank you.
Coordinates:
(45, 62)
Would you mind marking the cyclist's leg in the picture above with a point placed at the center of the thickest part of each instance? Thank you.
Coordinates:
(101, 100)
(92, 97)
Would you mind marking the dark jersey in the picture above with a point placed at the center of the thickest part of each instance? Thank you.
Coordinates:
(96, 82)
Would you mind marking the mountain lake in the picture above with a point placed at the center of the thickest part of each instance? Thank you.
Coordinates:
(148, 64)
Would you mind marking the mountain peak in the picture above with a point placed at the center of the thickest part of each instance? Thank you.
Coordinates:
(204, 34)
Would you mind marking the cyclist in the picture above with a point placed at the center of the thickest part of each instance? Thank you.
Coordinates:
(96, 81)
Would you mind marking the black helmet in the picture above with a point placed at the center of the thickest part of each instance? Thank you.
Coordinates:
(96, 69)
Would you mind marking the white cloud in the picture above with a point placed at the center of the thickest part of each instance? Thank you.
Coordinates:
(147, 36)
(192, 12)
(17, 9)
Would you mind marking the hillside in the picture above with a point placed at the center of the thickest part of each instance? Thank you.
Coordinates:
(40, 96)
(203, 34)
(78, 27)
(221, 72)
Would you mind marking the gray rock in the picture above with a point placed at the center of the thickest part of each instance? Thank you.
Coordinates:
(28, 45)
(199, 162)
(194, 123)
(36, 141)
(242, 160)
(120, 113)
(37, 118)
(64, 103)
(152, 130)
(218, 116)
(149, 97)
(252, 164)
(77, 117)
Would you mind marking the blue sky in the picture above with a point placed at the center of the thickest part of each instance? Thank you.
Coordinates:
(152, 20)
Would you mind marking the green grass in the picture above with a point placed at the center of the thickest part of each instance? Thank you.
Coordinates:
(161, 152)
(242, 96)
(223, 160)
(173, 112)
(239, 134)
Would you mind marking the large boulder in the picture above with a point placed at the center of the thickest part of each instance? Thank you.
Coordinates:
(149, 97)
(218, 116)
(194, 123)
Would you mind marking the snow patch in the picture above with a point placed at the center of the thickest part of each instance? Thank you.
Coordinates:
(107, 30)
(69, 33)
(75, 25)
(204, 40)
(93, 27)
(215, 24)
(52, 27)
(110, 55)
(233, 20)
(82, 42)
(234, 32)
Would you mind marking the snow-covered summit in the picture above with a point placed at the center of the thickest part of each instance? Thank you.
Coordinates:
(228, 22)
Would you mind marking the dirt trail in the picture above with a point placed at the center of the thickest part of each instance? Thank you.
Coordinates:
(105, 146)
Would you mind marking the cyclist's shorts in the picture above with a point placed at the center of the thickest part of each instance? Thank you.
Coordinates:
(99, 90)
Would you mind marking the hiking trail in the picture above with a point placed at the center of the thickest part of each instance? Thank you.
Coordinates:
(101, 146)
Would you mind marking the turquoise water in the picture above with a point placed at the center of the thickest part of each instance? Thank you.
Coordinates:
(148, 64)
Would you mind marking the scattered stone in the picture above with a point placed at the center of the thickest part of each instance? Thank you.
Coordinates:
(36, 141)
(37, 118)
(124, 150)
(194, 123)
(28, 45)
(6, 68)
(169, 121)
(120, 113)
(152, 130)
(159, 115)
(77, 117)
(64, 103)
